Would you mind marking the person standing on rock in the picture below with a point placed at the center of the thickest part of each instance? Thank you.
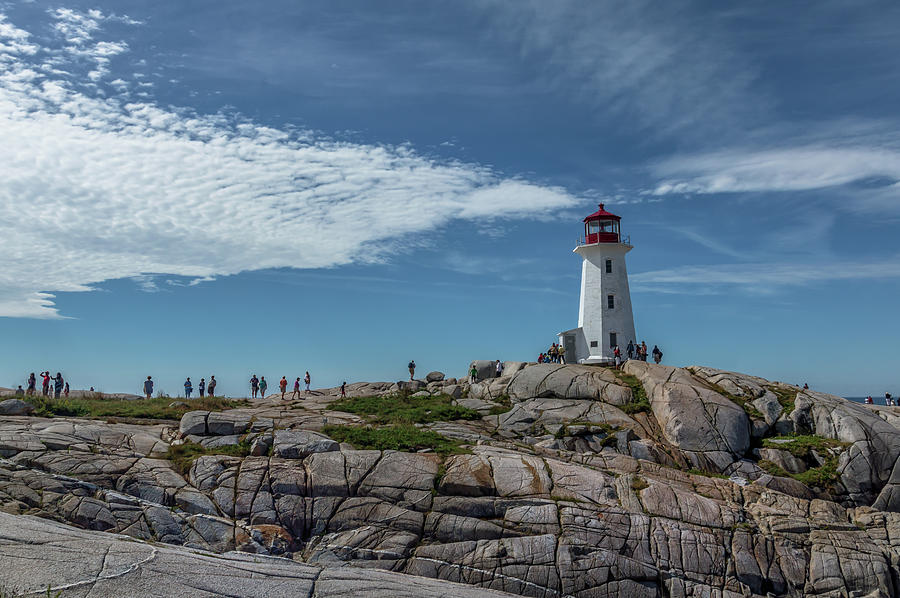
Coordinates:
(20, 392)
(643, 350)
(254, 386)
(657, 354)
(263, 385)
(561, 352)
(148, 387)
(499, 369)
(211, 389)
(473, 375)
(188, 388)
(66, 390)
(344, 389)
(552, 353)
(45, 383)
(296, 394)
(202, 387)
(282, 385)
(57, 385)
(307, 379)
(32, 384)
(617, 357)
(629, 350)
(412, 368)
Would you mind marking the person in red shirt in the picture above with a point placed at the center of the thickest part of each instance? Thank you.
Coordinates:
(283, 386)
(45, 383)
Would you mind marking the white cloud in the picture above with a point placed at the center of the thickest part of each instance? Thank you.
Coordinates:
(760, 278)
(98, 189)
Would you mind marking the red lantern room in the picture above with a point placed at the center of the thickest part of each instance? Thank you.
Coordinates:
(601, 227)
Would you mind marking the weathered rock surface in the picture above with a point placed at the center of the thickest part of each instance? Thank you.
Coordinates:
(15, 407)
(564, 494)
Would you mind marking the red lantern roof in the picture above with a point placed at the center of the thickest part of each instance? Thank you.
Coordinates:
(602, 214)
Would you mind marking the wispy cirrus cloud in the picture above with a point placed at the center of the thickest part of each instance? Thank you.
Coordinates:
(99, 188)
(761, 278)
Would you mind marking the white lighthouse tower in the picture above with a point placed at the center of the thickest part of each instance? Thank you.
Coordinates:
(605, 318)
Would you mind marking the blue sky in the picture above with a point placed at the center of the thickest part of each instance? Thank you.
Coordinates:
(222, 188)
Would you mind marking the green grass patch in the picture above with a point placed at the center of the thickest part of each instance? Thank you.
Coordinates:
(157, 408)
(638, 483)
(786, 396)
(402, 437)
(640, 402)
(801, 446)
(183, 456)
(402, 408)
(505, 404)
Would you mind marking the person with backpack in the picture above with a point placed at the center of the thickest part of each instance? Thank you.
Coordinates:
(412, 368)
(657, 354)
(202, 387)
(188, 388)
(254, 386)
(263, 385)
(211, 388)
(148, 387)
(282, 385)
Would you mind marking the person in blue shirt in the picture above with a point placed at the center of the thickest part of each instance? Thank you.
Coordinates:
(57, 385)
(148, 387)
(202, 386)
(188, 388)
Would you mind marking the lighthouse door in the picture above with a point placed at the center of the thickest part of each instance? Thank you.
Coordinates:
(569, 344)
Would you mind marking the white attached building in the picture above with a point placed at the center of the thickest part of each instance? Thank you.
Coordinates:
(605, 318)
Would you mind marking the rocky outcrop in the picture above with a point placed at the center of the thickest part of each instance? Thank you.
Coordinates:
(574, 491)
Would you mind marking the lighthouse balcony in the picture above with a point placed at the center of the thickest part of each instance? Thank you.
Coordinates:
(600, 238)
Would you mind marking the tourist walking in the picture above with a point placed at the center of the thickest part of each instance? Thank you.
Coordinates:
(254, 386)
(211, 388)
(344, 389)
(473, 374)
(643, 351)
(188, 388)
(263, 385)
(629, 350)
(148, 387)
(561, 352)
(657, 354)
(499, 369)
(412, 368)
(282, 384)
(32, 383)
(202, 387)
(307, 379)
(57, 385)
(296, 394)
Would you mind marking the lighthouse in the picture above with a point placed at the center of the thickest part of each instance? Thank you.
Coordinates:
(605, 318)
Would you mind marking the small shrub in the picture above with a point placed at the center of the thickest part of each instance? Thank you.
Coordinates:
(183, 455)
(403, 437)
(639, 401)
(402, 408)
(744, 404)
(708, 474)
(801, 446)
(632, 407)
(638, 483)
(786, 396)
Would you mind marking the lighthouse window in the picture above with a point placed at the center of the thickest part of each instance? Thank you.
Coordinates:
(593, 343)
(612, 339)
(610, 301)
(609, 266)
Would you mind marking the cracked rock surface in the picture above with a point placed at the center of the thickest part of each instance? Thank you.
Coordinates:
(564, 494)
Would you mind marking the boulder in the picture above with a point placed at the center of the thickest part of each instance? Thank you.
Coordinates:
(783, 459)
(706, 426)
(193, 423)
(297, 444)
(15, 407)
(553, 380)
(434, 376)
(485, 368)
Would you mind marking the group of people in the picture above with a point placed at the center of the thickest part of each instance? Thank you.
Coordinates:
(60, 386)
(555, 354)
(258, 386)
(638, 352)
(888, 400)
